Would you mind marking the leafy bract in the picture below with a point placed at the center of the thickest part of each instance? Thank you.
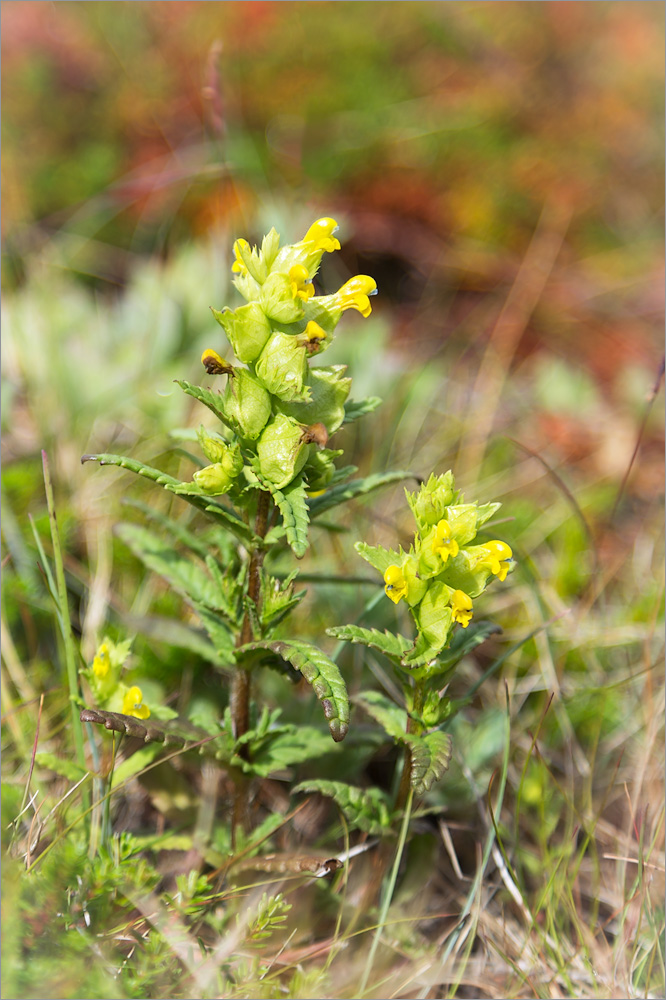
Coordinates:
(430, 758)
(393, 646)
(358, 408)
(319, 671)
(291, 501)
(214, 509)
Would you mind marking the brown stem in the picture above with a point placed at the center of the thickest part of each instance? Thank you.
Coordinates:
(412, 727)
(240, 688)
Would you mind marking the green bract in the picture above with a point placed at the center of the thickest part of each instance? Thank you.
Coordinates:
(247, 329)
(247, 403)
(282, 450)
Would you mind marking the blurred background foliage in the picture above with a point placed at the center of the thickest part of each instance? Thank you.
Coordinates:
(498, 168)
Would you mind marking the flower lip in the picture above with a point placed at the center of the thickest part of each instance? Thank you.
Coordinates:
(133, 703)
(395, 584)
(461, 604)
(320, 234)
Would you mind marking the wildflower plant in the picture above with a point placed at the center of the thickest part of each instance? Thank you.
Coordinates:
(439, 579)
(268, 474)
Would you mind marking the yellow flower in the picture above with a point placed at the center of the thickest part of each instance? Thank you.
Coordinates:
(320, 236)
(301, 287)
(354, 294)
(238, 265)
(396, 585)
(497, 556)
(214, 364)
(442, 544)
(133, 704)
(462, 607)
(102, 662)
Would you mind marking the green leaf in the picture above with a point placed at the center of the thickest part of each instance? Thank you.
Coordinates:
(430, 758)
(175, 529)
(390, 717)
(365, 808)
(282, 749)
(66, 768)
(216, 510)
(213, 400)
(359, 408)
(393, 646)
(318, 670)
(292, 504)
(356, 488)
(188, 577)
(378, 557)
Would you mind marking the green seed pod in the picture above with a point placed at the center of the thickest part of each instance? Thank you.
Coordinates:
(247, 403)
(247, 330)
(329, 393)
(283, 368)
(283, 450)
(278, 301)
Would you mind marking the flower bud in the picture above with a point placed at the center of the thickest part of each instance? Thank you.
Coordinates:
(218, 478)
(430, 502)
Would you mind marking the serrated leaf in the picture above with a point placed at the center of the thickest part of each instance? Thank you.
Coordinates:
(66, 768)
(175, 732)
(356, 488)
(430, 758)
(358, 408)
(213, 400)
(177, 531)
(185, 575)
(216, 510)
(282, 749)
(291, 501)
(393, 646)
(319, 671)
(379, 557)
(365, 808)
(390, 716)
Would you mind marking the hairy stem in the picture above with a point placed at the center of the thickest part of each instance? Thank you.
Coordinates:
(240, 688)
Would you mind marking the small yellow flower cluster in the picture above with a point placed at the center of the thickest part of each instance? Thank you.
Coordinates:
(442, 573)
(273, 397)
(104, 678)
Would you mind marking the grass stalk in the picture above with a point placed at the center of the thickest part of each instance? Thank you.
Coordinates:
(388, 894)
(66, 627)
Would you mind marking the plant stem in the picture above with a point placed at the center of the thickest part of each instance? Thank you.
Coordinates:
(412, 727)
(240, 688)
(66, 627)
